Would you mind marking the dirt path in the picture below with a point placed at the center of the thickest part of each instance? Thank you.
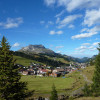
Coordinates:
(78, 91)
(85, 78)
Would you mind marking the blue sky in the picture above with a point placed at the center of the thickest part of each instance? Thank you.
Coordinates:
(68, 27)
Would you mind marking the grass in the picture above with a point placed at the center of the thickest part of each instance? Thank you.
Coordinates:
(79, 80)
(23, 61)
(88, 98)
(44, 84)
(62, 60)
(73, 81)
(59, 59)
(89, 71)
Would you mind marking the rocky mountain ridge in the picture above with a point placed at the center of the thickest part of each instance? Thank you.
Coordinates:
(37, 49)
(40, 49)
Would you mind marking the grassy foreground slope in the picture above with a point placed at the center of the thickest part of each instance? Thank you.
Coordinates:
(73, 81)
(44, 84)
(88, 72)
(88, 98)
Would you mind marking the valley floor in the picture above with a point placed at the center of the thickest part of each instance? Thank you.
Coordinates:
(88, 98)
(72, 83)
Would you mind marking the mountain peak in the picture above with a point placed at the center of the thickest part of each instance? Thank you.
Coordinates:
(36, 49)
(36, 46)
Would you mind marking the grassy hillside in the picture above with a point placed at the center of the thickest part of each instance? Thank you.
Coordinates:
(79, 80)
(62, 60)
(58, 59)
(39, 58)
(88, 72)
(24, 61)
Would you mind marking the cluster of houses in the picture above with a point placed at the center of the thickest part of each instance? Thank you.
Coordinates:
(41, 70)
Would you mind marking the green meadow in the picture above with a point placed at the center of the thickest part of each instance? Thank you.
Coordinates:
(24, 61)
(44, 84)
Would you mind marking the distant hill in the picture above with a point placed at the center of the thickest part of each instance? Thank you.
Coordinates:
(79, 60)
(82, 60)
(44, 59)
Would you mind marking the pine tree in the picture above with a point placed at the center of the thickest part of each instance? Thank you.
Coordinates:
(86, 90)
(96, 77)
(11, 88)
(54, 95)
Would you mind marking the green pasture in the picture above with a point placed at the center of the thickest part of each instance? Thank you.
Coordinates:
(44, 84)
(23, 61)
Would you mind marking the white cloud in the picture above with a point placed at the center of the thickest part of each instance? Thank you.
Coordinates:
(59, 32)
(42, 22)
(92, 48)
(67, 20)
(89, 33)
(86, 44)
(49, 2)
(96, 39)
(61, 13)
(83, 35)
(71, 26)
(84, 30)
(12, 22)
(58, 20)
(54, 32)
(87, 47)
(63, 2)
(58, 47)
(95, 43)
(50, 22)
(16, 44)
(81, 51)
(92, 17)
(71, 5)
(81, 48)
(58, 51)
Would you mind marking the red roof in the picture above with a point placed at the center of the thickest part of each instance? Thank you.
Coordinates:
(43, 70)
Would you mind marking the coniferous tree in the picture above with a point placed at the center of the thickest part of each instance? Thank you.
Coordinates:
(96, 77)
(86, 90)
(54, 95)
(11, 88)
